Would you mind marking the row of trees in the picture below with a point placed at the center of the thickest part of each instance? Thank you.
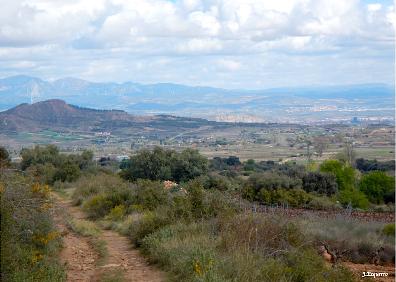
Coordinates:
(334, 178)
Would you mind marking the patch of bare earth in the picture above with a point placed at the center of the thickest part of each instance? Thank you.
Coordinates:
(81, 260)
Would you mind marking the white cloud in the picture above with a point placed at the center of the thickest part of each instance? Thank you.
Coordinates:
(204, 45)
(72, 33)
(229, 65)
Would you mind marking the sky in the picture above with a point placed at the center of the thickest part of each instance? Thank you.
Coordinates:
(223, 43)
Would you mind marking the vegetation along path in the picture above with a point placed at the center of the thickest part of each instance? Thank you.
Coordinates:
(82, 260)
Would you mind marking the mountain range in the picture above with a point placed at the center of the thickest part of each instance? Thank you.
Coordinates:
(306, 104)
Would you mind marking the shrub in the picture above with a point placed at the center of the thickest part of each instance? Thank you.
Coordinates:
(117, 213)
(91, 185)
(147, 224)
(84, 227)
(389, 230)
(377, 185)
(232, 250)
(218, 182)
(97, 206)
(151, 194)
(4, 157)
(354, 197)
(357, 240)
(47, 164)
(322, 203)
(345, 174)
(261, 186)
(282, 236)
(29, 240)
(322, 183)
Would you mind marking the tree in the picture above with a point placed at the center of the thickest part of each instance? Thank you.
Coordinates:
(250, 165)
(322, 183)
(377, 186)
(320, 145)
(354, 197)
(68, 171)
(4, 157)
(40, 155)
(188, 165)
(345, 174)
(365, 165)
(233, 161)
(49, 165)
(153, 165)
(348, 154)
(160, 164)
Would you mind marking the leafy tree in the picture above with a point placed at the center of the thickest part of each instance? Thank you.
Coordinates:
(160, 164)
(365, 165)
(377, 185)
(153, 165)
(40, 155)
(233, 161)
(217, 182)
(249, 165)
(345, 174)
(4, 157)
(49, 165)
(188, 165)
(68, 171)
(258, 183)
(322, 183)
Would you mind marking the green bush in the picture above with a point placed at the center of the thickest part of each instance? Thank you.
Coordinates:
(238, 253)
(4, 157)
(116, 213)
(323, 203)
(151, 194)
(147, 224)
(92, 185)
(377, 185)
(345, 174)
(29, 240)
(354, 197)
(50, 166)
(357, 240)
(160, 164)
(389, 230)
(293, 197)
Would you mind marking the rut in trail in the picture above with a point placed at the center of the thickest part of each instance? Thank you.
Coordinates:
(82, 261)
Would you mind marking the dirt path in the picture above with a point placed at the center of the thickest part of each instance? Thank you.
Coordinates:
(81, 259)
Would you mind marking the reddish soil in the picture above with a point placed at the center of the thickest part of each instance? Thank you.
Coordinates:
(81, 260)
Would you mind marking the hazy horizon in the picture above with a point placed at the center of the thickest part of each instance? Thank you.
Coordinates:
(390, 84)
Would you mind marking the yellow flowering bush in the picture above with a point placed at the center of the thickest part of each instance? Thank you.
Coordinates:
(29, 240)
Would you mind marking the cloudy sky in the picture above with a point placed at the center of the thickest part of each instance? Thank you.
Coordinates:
(224, 43)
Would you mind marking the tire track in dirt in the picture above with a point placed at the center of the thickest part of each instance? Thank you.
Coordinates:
(81, 260)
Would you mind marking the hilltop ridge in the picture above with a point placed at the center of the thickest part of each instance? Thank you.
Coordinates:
(56, 114)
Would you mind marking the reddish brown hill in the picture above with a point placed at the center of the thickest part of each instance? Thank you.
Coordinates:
(57, 114)
(60, 116)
